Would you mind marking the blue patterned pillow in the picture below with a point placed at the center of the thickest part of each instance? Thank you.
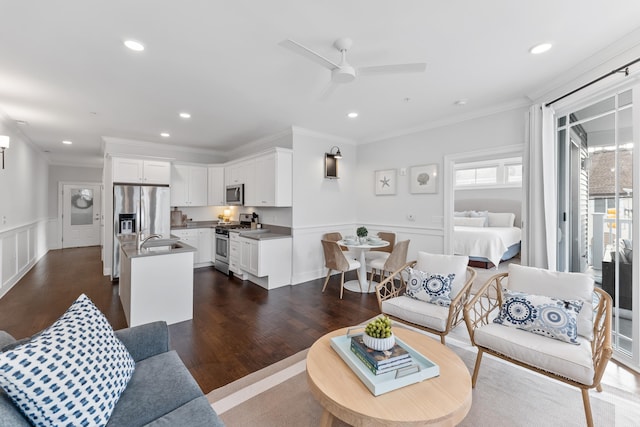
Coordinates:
(72, 373)
(542, 315)
(433, 288)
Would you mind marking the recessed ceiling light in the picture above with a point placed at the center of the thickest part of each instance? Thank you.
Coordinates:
(352, 115)
(66, 142)
(540, 48)
(185, 115)
(165, 135)
(461, 102)
(134, 45)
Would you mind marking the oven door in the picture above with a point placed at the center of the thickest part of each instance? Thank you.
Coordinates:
(222, 248)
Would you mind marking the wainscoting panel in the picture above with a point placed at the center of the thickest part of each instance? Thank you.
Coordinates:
(308, 259)
(20, 249)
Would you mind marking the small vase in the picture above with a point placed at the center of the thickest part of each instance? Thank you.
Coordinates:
(379, 344)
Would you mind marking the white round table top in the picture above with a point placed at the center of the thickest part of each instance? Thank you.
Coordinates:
(368, 245)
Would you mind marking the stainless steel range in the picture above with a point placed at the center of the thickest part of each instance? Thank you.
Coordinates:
(222, 240)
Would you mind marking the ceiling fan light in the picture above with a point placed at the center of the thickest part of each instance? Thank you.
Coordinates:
(344, 74)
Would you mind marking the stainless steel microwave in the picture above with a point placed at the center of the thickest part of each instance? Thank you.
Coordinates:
(235, 195)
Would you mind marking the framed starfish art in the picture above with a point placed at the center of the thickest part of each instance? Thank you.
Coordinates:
(385, 182)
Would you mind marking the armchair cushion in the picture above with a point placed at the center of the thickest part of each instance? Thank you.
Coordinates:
(419, 312)
(570, 361)
(542, 315)
(73, 372)
(560, 285)
(445, 265)
(431, 288)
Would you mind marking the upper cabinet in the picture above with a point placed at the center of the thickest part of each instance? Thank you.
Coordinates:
(267, 178)
(189, 185)
(216, 193)
(141, 171)
(273, 182)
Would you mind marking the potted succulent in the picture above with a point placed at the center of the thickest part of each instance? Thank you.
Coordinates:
(378, 335)
(362, 233)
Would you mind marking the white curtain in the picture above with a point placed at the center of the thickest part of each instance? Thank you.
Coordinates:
(540, 190)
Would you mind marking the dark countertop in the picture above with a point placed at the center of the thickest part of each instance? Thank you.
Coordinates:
(195, 224)
(263, 234)
(129, 245)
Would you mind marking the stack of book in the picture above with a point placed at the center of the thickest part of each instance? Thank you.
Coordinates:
(380, 362)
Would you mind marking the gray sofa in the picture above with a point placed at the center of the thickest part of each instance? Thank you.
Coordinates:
(161, 391)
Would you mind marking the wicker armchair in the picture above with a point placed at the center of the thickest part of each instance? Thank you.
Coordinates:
(423, 315)
(553, 358)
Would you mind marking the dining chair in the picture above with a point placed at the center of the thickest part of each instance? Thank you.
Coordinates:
(335, 260)
(384, 252)
(336, 237)
(396, 259)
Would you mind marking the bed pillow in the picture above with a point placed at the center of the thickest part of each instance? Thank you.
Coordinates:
(70, 374)
(432, 288)
(469, 222)
(501, 219)
(560, 285)
(481, 214)
(542, 315)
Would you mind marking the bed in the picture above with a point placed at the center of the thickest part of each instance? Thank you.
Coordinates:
(487, 236)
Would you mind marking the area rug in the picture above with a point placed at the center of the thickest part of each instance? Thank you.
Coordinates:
(506, 395)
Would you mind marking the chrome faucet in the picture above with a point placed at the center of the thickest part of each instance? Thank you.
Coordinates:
(146, 239)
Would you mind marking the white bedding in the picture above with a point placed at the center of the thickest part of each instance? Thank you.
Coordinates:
(486, 242)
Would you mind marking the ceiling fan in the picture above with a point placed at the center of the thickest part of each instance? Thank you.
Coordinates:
(344, 72)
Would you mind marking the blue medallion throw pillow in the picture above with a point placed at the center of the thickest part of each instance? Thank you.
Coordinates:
(433, 288)
(72, 374)
(542, 315)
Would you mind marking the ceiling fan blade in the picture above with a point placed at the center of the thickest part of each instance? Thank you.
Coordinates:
(392, 69)
(328, 91)
(308, 53)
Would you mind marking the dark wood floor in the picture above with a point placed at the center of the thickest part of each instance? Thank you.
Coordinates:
(238, 327)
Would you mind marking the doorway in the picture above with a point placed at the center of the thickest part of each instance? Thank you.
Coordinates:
(81, 214)
(596, 152)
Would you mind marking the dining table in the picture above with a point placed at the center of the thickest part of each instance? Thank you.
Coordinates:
(359, 247)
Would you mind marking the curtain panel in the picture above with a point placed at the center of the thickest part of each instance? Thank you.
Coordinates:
(539, 241)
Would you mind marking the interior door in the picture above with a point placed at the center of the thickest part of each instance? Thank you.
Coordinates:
(81, 215)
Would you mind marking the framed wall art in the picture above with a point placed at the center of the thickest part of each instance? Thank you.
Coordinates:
(385, 182)
(424, 179)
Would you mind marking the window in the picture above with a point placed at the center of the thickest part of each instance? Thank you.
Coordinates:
(490, 173)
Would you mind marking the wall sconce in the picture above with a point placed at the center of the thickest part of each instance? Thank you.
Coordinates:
(331, 163)
(337, 154)
(4, 144)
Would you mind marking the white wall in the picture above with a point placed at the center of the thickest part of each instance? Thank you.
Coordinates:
(68, 174)
(319, 205)
(390, 213)
(23, 207)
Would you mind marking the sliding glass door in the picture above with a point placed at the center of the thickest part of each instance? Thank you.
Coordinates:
(597, 149)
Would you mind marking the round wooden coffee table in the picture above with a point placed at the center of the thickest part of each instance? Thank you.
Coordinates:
(441, 401)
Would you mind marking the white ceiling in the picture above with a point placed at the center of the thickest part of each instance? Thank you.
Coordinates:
(64, 69)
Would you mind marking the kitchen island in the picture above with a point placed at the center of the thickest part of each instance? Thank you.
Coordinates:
(156, 283)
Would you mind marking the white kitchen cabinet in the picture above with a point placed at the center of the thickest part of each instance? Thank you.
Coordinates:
(141, 171)
(189, 185)
(215, 187)
(269, 180)
(268, 261)
(190, 237)
(236, 173)
(205, 246)
(249, 255)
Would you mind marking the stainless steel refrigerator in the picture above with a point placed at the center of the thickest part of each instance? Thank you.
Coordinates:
(138, 209)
